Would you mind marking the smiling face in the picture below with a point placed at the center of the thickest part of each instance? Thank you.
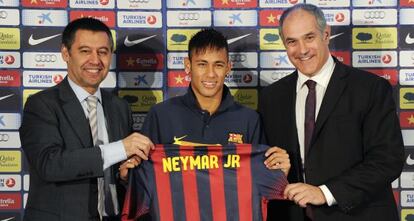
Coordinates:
(306, 47)
(88, 59)
(208, 70)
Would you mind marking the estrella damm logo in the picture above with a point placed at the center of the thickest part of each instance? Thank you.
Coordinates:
(178, 38)
(9, 38)
(407, 98)
(270, 39)
(27, 93)
(141, 101)
(10, 161)
(374, 38)
(246, 97)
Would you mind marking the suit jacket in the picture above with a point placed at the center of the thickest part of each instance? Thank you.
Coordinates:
(64, 164)
(356, 149)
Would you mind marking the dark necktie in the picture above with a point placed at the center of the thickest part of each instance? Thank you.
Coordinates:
(310, 108)
(104, 190)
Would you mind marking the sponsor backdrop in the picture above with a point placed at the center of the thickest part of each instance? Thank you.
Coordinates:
(151, 41)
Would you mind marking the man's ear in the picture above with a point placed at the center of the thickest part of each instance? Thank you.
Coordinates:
(229, 67)
(187, 65)
(65, 53)
(327, 33)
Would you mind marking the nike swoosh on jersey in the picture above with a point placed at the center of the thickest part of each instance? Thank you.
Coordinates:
(337, 35)
(7, 96)
(230, 41)
(129, 43)
(409, 40)
(409, 161)
(34, 42)
(8, 219)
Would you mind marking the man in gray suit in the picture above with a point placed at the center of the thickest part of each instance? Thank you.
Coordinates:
(73, 145)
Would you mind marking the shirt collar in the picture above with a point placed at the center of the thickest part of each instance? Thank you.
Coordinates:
(226, 102)
(81, 93)
(321, 78)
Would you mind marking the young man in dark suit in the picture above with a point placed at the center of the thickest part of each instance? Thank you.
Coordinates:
(74, 135)
(339, 126)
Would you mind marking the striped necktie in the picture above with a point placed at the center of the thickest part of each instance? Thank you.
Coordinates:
(105, 202)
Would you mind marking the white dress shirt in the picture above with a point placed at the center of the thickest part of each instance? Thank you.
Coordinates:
(112, 153)
(322, 79)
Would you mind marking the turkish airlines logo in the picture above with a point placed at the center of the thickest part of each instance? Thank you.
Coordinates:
(104, 2)
(340, 17)
(151, 19)
(8, 59)
(34, 42)
(130, 43)
(386, 59)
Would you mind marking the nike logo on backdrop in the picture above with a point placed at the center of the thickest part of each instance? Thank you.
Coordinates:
(7, 96)
(409, 161)
(409, 40)
(230, 41)
(337, 35)
(129, 43)
(34, 42)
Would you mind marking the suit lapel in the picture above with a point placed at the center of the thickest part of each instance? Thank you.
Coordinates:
(291, 113)
(110, 115)
(75, 113)
(336, 86)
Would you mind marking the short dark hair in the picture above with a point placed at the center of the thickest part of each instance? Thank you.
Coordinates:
(312, 9)
(207, 39)
(90, 24)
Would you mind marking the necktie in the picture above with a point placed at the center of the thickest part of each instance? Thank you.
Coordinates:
(104, 190)
(310, 107)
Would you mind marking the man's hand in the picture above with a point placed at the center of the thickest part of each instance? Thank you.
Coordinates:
(128, 164)
(302, 194)
(137, 144)
(277, 158)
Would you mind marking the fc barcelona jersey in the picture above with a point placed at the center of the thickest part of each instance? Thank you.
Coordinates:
(209, 183)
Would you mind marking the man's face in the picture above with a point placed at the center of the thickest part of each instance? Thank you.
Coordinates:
(208, 71)
(89, 59)
(306, 47)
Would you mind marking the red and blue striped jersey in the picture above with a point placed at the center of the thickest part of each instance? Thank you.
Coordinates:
(214, 183)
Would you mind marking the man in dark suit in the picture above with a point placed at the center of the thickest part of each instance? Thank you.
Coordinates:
(69, 149)
(340, 130)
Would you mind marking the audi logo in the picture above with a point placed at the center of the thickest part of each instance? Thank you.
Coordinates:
(3, 14)
(4, 137)
(189, 16)
(238, 58)
(138, 1)
(45, 58)
(374, 14)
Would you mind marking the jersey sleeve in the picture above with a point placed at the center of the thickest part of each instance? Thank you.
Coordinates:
(271, 183)
(138, 197)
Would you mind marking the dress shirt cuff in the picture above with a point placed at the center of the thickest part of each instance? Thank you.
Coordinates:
(330, 200)
(112, 153)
